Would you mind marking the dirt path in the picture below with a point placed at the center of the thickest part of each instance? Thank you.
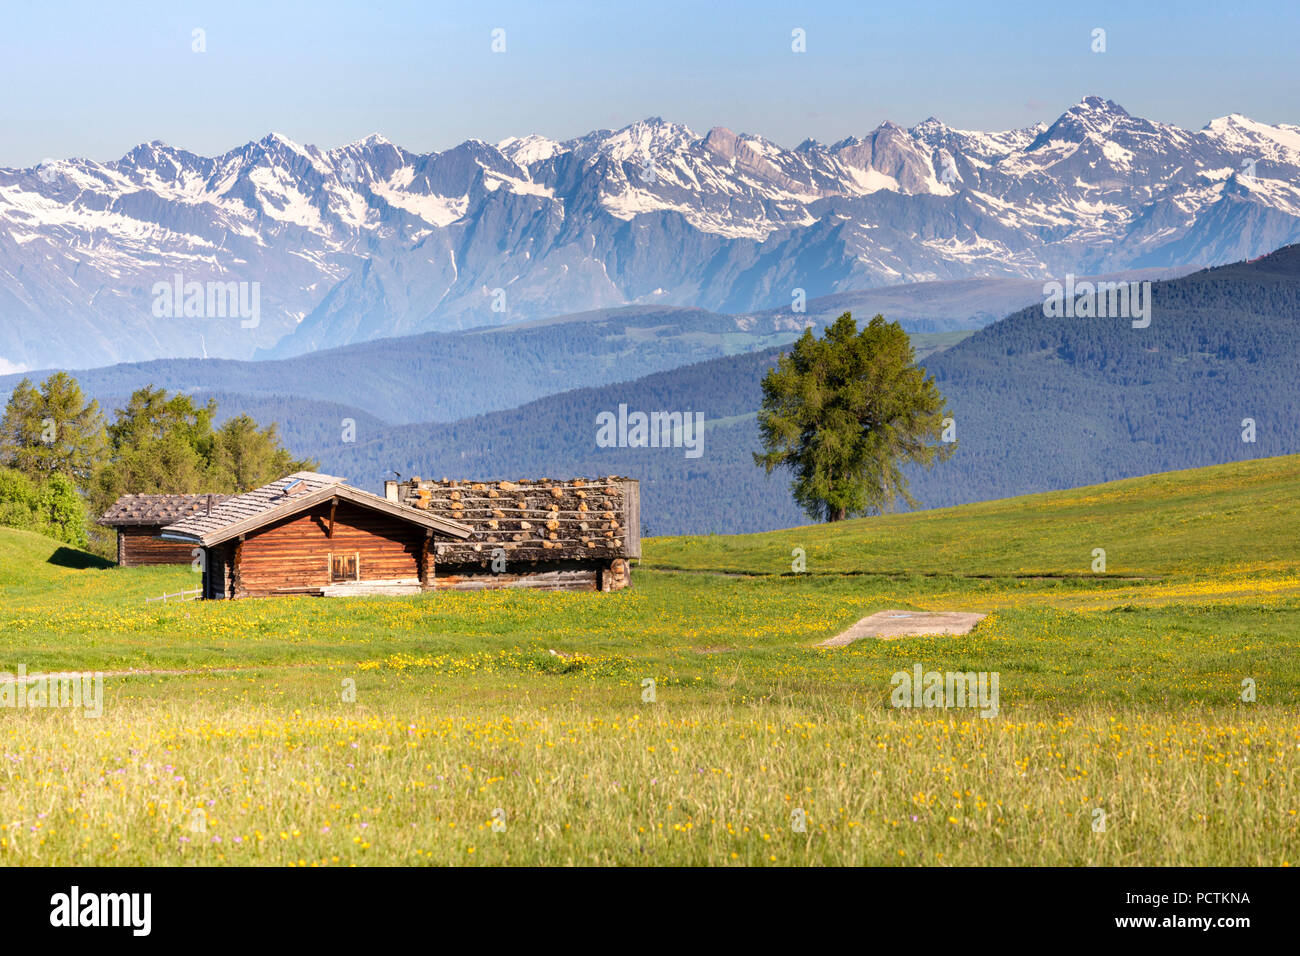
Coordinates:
(888, 625)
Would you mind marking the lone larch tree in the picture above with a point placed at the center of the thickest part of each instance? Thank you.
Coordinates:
(845, 413)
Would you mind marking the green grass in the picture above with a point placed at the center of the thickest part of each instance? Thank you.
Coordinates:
(1119, 691)
(1201, 522)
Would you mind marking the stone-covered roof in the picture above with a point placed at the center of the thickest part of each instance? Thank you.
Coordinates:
(157, 510)
(541, 520)
(287, 496)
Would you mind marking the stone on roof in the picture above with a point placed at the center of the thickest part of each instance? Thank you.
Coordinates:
(539, 520)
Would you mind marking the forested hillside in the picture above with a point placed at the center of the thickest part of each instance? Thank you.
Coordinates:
(1049, 403)
(1040, 404)
(556, 436)
(447, 376)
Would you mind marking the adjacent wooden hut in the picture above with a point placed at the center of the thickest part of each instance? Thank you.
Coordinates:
(139, 520)
(572, 534)
(309, 533)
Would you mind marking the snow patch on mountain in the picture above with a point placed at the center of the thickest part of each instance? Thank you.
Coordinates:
(526, 150)
(368, 239)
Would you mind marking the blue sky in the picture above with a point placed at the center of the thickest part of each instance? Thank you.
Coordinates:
(85, 79)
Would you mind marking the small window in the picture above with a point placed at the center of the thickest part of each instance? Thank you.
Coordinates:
(345, 567)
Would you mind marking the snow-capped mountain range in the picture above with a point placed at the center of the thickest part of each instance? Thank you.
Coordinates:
(329, 247)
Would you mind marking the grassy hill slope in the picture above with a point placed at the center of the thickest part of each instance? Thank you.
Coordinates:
(34, 567)
(1202, 520)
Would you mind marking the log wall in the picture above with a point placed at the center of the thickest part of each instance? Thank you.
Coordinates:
(553, 576)
(139, 545)
(564, 575)
(293, 555)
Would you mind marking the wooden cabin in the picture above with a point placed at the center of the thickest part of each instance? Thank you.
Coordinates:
(139, 520)
(575, 534)
(309, 533)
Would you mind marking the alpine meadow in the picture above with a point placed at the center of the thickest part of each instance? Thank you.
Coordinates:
(305, 732)
(820, 442)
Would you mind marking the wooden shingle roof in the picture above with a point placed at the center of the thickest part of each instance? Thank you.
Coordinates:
(157, 510)
(287, 496)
